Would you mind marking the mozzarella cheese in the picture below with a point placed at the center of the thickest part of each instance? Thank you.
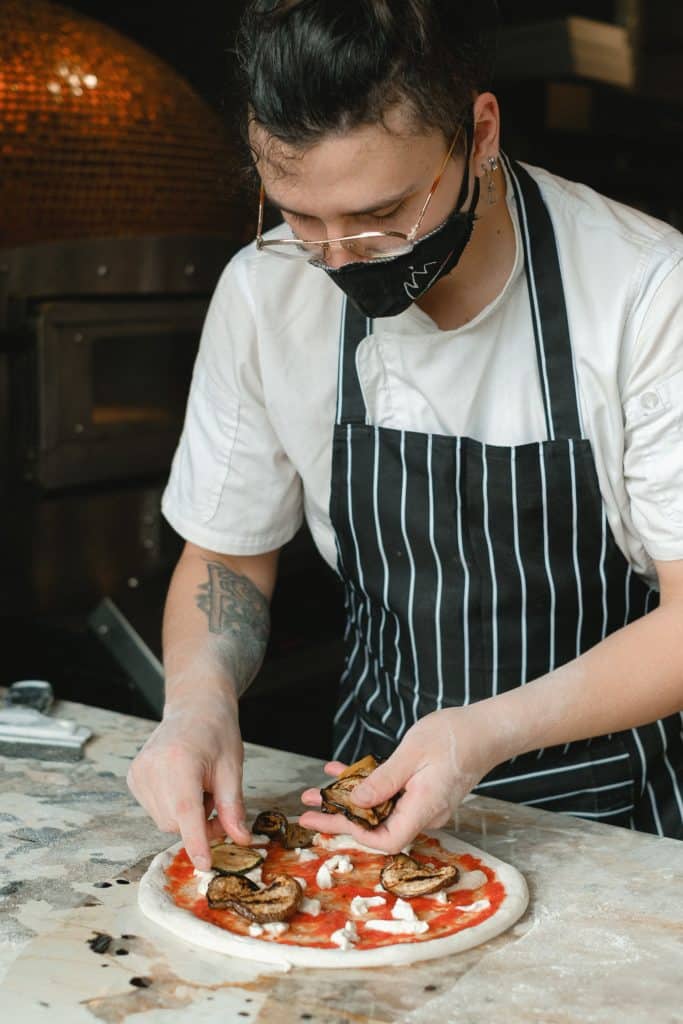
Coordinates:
(323, 878)
(309, 906)
(342, 842)
(345, 937)
(473, 908)
(361, 904)
(398, 927)
(439, 897)
(403, 911)
(256, 875)
(302, 882)
(340, 864)
(304, 855)
(276, 927)
(205, 878)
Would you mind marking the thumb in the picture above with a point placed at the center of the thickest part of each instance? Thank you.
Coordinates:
(227, 795)
(386, 780)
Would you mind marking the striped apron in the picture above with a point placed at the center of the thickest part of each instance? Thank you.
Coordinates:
(471, 568)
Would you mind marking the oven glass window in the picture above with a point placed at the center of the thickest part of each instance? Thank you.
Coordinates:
(141, 379)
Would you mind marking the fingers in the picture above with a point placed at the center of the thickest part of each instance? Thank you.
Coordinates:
(192, 824)
(311, 797)
(215, 830)
(229, 802)
(386, 781)
(336, 824)
(380, 838)
(411, 816)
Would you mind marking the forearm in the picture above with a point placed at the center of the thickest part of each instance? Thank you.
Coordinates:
(632, 677)
(216, 623)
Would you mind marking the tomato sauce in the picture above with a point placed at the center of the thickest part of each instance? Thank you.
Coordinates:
(308, 930)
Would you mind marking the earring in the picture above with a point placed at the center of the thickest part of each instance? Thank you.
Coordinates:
(489, 168)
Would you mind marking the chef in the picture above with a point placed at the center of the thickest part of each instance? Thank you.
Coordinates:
(466, 375)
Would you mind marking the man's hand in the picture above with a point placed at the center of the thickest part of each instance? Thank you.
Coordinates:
(438, 762)
(191, 764)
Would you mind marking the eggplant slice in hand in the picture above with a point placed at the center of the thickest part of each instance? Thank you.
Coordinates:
(406, 877)
(277, 902)
(337, 798)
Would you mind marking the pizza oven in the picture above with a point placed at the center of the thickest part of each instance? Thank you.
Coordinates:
(119, 207)
(120, 204)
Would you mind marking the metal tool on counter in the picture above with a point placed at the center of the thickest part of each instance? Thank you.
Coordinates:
(27, 730)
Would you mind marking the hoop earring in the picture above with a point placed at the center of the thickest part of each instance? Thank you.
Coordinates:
(489, 168)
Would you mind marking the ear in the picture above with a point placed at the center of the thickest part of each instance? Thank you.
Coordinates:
(486, 129)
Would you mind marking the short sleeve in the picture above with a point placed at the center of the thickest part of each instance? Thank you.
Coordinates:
(653, 420)
(232, 488)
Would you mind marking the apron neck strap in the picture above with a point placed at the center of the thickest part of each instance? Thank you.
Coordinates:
(548, 309)
(350, 402)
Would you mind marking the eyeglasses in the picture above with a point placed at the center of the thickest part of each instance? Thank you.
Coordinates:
(367, 246)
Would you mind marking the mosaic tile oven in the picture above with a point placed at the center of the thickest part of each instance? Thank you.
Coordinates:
(99, 138)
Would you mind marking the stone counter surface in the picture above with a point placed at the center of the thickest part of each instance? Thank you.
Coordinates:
(602, 939)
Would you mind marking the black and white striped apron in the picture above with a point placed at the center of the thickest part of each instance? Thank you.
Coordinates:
(472, 568)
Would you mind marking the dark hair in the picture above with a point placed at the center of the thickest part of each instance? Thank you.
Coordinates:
(313, 67)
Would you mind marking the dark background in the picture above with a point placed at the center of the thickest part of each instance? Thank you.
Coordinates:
(623, 142)
(196, 38)
(632, 146)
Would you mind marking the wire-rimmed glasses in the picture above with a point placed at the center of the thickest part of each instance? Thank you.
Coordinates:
(366, 246)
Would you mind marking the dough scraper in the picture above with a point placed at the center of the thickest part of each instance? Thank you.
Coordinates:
(27, 730)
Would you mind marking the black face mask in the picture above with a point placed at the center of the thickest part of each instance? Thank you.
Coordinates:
(388, 286)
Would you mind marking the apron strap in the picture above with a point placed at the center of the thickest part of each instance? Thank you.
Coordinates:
(548, 308)
(350, 402)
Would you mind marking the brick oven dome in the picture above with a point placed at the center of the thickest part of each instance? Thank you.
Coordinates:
(100, 138)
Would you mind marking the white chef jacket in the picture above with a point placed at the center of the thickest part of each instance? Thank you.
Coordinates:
(254, 457)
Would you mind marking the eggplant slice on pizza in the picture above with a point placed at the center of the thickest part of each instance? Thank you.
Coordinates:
(405, 877)
(279, 901)
(277, 827)
(231, 859)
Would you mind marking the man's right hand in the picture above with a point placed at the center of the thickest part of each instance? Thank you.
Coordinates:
(191, 764)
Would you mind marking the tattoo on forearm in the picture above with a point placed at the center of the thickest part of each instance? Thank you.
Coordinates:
(239, 616)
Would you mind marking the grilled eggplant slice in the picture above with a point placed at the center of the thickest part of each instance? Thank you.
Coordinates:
(337, 798)
(403, 876)
(277, 902)
(270, 823)
(275, 825)
(364, 767)
(231, 859)
(296, 836)
(223, 890)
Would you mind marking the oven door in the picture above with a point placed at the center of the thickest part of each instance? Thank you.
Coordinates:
(107, 388)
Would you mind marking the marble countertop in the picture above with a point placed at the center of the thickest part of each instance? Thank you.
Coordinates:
(601, 941)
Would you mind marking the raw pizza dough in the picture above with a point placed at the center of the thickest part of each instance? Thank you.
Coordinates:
(158, 905)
